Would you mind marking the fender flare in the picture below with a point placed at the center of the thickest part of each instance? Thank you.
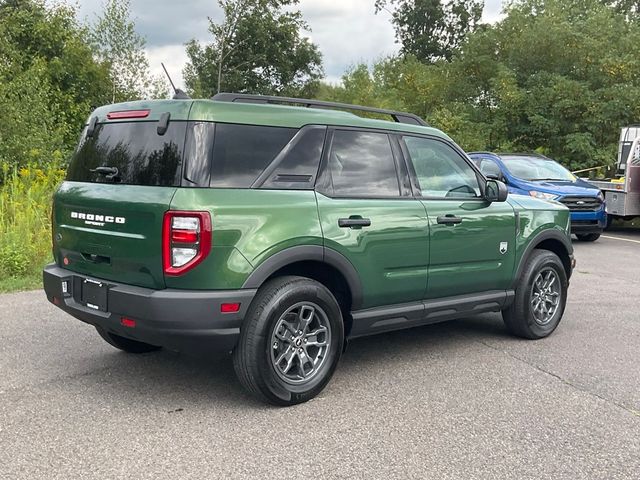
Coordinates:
(303, 253)
(535, 241)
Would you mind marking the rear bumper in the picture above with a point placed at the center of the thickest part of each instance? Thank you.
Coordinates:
(186, 320)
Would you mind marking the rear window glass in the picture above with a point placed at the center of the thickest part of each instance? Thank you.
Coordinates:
(130, 153)
(242, 152)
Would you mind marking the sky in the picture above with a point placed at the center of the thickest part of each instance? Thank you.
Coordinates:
(346, 31)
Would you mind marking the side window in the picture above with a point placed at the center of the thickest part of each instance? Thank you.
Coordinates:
(441, 171)
(242, 152)
(297, 165)
(361, 164)
(488, 167)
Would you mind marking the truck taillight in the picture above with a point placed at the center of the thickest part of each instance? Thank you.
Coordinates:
(186, 240)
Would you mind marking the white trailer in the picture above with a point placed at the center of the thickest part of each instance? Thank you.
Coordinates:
(622, 193)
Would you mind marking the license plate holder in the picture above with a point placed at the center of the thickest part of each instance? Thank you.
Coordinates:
(94, 295)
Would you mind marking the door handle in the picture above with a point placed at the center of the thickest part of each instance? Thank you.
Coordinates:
(354, 222)
(449, 219)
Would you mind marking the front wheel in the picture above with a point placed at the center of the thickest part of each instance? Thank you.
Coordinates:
(588, 237)
(290, 342)
(540, 298)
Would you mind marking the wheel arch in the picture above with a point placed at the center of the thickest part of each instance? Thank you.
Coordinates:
(552, 240)
(324, 265)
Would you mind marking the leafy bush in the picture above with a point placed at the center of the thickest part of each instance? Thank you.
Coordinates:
(25, 218)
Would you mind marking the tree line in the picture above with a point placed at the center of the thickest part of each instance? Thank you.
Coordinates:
(56, 68)
(559, 77)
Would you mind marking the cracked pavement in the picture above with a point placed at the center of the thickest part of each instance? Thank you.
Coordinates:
(456, 400)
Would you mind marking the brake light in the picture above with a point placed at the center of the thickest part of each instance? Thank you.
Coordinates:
(186, 240)
(128, 114)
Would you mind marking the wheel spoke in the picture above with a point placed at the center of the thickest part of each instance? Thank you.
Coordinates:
(289, 355)
(312, 338)
(303, 359)
(282, 336)
(305, 316)
(551, 280)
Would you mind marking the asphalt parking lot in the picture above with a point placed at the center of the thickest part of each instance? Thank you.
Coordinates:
(459, 400)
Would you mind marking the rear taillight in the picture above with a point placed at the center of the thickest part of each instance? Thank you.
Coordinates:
(186, 240)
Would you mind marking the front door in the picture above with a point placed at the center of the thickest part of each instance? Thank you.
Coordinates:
(472, 241)
(368, 215)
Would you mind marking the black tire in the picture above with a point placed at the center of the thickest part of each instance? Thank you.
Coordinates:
(520, 318)
(588, 237)
(126, 344)
(609, 222)
(281, 301)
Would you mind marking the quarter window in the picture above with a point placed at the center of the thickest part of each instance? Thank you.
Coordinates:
(242, 152)
(361, 164)
(440, 170)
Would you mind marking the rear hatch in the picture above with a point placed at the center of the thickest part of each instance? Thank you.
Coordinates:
(108, 214)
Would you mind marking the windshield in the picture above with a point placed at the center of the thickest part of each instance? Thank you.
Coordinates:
(537, 169)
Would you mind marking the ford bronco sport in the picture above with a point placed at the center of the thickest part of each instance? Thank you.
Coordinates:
(277, 228)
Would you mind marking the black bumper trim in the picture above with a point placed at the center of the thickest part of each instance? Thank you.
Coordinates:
(186, 320)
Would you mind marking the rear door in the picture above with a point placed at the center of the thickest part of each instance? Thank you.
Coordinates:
(472, 241)
(108, 213)
(368, 215)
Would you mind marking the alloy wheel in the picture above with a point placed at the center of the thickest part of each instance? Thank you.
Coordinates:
(300, 342)
(545, 296)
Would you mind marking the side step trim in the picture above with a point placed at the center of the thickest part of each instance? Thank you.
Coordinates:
(396, 317)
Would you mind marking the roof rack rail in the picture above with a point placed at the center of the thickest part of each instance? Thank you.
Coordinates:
(399, 117)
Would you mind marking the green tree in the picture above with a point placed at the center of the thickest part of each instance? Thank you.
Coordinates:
(116, 43)
(49, 81)
(432, 30)
(257, 48)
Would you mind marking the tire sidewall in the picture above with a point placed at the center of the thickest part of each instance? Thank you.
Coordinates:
(301, 291)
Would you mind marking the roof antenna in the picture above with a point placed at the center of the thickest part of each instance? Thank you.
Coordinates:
(179, 94)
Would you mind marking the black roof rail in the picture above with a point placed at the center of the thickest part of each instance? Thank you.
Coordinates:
(399, 117)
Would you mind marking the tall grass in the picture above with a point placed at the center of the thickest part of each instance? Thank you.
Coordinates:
(25, 220)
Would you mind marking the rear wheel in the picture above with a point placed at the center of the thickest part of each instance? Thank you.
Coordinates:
(126, 344)
(588, 237)
(540, 298)
(290, 342)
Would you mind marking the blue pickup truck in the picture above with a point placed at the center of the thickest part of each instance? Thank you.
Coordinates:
(542, 177)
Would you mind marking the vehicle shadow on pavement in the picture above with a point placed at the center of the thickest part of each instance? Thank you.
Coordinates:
(176, 382)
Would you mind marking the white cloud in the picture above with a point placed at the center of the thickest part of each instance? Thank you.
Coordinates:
(174, 58)
(346, 31)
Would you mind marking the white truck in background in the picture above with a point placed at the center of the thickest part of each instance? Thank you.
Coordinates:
(622, 193)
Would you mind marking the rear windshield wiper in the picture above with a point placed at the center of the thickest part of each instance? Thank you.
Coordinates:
(110, 173)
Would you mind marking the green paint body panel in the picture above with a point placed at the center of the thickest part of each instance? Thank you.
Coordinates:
(404, 256)
(391, 256)
(130, 252)
(537, 216)
(466, 258)
(249, 226)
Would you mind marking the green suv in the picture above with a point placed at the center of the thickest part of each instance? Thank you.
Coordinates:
(278, 228)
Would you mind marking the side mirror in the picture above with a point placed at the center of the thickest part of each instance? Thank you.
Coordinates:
(495, 191)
